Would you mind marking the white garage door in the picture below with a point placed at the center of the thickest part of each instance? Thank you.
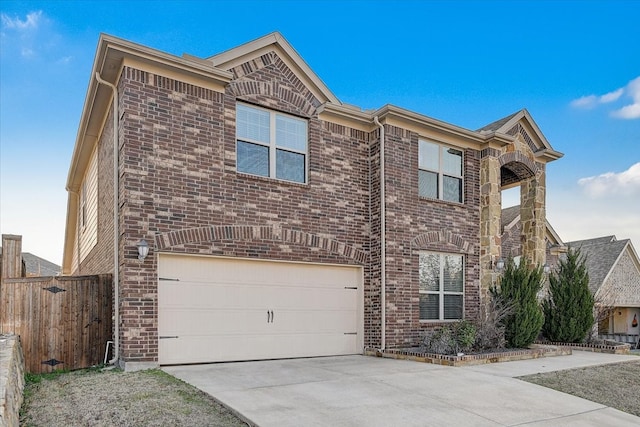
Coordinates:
(221, 309)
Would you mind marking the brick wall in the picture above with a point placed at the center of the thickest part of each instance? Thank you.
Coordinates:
(178, 172)
(178, 178)
(414, 224)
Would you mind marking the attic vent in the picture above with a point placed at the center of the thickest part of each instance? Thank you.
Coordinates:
(518, 129)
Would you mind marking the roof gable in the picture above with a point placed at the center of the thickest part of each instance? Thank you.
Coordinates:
(621, 285)
(521, 125)
(601, 255)
(275, 42)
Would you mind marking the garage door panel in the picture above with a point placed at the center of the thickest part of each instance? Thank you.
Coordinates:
(223, 309)
(338, 322)
(309, 298)
(194, 295)
(223, 322)
(197, 294)
(228, 348)
(211, 322)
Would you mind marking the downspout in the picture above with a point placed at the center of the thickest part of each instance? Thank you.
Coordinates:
(116, 267)
(77, 194)
(383, 244)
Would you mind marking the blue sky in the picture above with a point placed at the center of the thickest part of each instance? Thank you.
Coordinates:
(574, 65)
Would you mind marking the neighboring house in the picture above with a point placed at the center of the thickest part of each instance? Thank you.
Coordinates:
(614, 279)
(30, 265)
(275, 226)
(613, 266)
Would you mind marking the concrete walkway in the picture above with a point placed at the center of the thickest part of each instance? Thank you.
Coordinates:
(368, 391)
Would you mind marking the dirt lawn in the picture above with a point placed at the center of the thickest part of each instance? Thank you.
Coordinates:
(616, 385)
(115, 398)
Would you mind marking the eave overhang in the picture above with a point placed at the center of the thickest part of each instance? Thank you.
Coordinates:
(111, 54)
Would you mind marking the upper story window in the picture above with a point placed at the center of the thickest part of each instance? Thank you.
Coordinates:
(271, 144)
(440, 172)
(441, 286)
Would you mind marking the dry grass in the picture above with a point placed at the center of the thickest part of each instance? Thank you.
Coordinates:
(616, 385)
(115, 398)
(154, 398)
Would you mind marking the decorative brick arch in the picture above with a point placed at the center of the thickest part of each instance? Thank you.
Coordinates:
(251, 88)
(423, 241)
(515, 167)
(258, 232)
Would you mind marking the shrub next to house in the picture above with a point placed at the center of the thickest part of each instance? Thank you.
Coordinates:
(518, 289)
(568, 309)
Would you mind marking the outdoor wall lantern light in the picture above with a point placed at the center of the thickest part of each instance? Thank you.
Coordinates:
(546, 269)
(143, 249)
(500, 265)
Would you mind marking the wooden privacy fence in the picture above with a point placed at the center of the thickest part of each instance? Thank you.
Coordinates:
(63, 322)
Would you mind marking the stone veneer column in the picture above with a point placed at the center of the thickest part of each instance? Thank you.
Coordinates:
(490, 214)
(533, 217)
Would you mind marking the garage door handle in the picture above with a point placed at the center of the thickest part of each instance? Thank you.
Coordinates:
(269, 316)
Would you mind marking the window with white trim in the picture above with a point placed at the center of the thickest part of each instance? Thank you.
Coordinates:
(271, 144)
(441, 286)
(440, 172)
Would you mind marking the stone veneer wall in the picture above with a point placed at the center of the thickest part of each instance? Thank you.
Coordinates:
(11, 380)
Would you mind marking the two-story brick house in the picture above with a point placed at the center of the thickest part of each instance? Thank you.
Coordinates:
(271, 232)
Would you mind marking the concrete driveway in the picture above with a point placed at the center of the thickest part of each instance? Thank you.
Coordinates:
(368, 391)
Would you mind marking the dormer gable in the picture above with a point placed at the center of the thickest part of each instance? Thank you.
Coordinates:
(274, 43)
(526, 133)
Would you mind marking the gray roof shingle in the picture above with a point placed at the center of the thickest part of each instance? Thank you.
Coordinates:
(37, 266)
(601, 255)
(492, 127)
(508, 215)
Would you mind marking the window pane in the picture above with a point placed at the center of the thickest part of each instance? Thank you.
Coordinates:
(428, 155)
(452, 189)
(428, 184)
(253, 158)
(429, 272)
(252, 123)
(289, 166)
(453, 273)
(452, 307)
(291, 133)
(452, 162)
(429, 307)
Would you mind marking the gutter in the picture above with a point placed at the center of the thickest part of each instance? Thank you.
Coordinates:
(383, 243)
(116, 267)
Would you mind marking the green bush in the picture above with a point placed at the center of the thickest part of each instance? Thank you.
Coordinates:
(568, 309)
(518, 288)
(464, 333)
(454, 339)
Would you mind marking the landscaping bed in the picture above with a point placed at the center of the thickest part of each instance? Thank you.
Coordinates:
(504, 355)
